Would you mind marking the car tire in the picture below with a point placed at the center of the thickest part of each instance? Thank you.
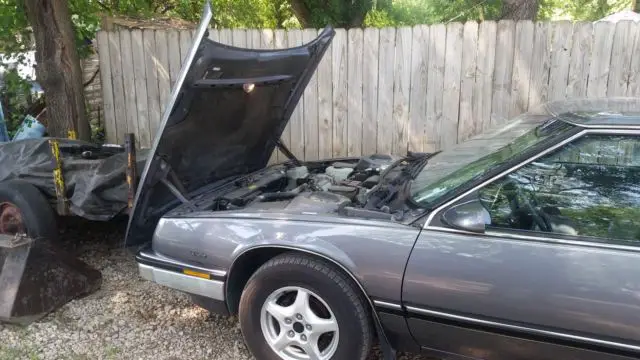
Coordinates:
(24, 201)
(327, 288)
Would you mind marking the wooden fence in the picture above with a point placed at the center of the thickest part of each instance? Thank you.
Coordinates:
(386, 90)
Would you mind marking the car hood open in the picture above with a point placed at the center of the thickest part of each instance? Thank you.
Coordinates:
(228, 108)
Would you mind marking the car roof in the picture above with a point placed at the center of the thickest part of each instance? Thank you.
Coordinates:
(602, 119)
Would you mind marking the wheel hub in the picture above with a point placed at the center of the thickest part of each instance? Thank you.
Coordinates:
(299, 325)
(11, 221)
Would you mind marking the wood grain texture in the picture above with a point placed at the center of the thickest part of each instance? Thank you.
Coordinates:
(502, 74)
(540, 64)
(580, 60)
(452, 77)
(175, 62)
(161, 63)
(562, 37)
(621, 52)
(401, 90)
(105, 57)
(152, 69)
(118, 88)
(521, 68)
(483, 87)
(143, 137)
(419, 80)
(599, 67)
(129, 84)
(355, 138)
(384, 115)
(466, 122)
(340, 92)
(325, 106)
(437, 47)
(634, 79)
(369, 94)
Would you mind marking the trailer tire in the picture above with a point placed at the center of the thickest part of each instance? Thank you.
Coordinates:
(37, 215)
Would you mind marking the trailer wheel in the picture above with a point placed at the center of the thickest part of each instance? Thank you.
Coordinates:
(25, 210)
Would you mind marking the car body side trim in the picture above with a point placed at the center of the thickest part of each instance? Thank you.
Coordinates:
(586, 131)
(212, 289)
(149, 258)
(523, 331)
(387, 305)
(541, 238)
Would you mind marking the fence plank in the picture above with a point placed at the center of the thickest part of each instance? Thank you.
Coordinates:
(354, 126)
(214, 35)
(118, 88)
(162, 64)
(185, 45)
(128, 81)
(466, 121)
(226, 36)
(452, 77)
(539, 88)
(107, 88)
(437, 46)
(560, 50)
(401, 90)
(599, 67)
(483, 89)
(294, 38)
(619, 74)
(502, 75)
(369, 94)
(521, 68)
(239, 37)
(340, 92)
(419, 79)
(152, 69)
(173, 40)
(580, 60)
(325, 106)
(140, 88)
(384, 115)
(311, 108)
(634, 79)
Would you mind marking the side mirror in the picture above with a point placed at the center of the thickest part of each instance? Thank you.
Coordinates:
(470, 216)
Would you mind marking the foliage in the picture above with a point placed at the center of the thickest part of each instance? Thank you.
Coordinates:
(16, 97)
(581, 10)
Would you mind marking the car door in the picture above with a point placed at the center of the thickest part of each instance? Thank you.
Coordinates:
(556, 272)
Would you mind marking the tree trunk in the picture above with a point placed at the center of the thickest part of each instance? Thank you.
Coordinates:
(58, 67)
(301, 12)
(519, 9)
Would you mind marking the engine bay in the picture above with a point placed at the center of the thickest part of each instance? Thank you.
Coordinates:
(358, 187)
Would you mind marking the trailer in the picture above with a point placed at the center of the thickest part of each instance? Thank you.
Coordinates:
(41, 181)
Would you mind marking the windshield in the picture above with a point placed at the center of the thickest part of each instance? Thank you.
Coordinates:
(467, 161)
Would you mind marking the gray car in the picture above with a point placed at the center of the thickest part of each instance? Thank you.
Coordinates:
(521, 243)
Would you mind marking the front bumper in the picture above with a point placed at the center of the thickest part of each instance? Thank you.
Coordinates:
(205, 284)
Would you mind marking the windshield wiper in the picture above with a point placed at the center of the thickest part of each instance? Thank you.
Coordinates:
(415, 167)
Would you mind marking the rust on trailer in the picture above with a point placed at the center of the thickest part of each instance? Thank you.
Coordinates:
(132, 171)
(62, 203)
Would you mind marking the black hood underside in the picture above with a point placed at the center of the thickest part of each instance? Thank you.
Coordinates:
(228, 109)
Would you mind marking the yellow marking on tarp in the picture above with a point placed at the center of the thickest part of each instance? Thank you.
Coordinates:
(196, 274)
(71, 134)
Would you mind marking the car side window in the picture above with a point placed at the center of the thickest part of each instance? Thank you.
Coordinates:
(589, 188)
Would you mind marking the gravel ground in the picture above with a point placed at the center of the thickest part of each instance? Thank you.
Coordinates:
(128, 318)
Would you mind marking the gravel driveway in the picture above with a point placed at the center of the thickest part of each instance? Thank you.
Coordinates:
(128, 318)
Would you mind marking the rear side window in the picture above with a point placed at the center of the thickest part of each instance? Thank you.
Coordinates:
(589, 188)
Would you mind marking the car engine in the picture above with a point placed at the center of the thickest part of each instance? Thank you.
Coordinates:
(313, 187)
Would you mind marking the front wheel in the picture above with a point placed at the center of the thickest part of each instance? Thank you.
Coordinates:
(297, 307)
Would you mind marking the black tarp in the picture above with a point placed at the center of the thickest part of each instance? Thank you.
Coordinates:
(96, 187)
